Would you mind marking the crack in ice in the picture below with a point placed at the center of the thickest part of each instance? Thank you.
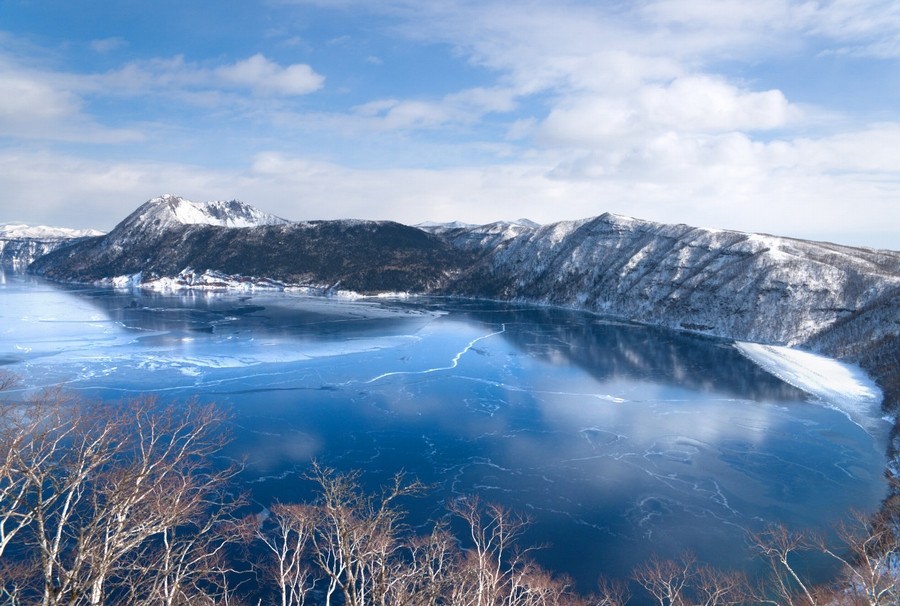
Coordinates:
(453, 363)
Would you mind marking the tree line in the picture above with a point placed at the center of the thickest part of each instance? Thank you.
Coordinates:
(128, 504)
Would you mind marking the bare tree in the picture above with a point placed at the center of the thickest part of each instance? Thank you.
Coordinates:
(667, 580)
(714, 587)
(784, 586)
(8, 380)
(357, 540)
(32, 436)
(611, 592)
(433, 570)
(685, 582)
(531, 585)
(492, 569)
(286, 534)
(188, 563)
(869, 559)
(357, 546)
(94, 498)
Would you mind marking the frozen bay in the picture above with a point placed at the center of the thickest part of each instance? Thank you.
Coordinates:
(618, 440)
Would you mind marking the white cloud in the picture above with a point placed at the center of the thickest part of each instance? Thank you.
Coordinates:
(54, 105)
(29, 97)
(34, 105)
(176, 77)
(107, 45)
(464, 107)
(725, 14)
(696, 103)
(860, 27)
(394, 114)
(726, 181)
(605, 106)
(704, 103)
(266, 77)
(620, 71)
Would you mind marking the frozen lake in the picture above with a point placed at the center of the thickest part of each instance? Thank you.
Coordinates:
(619, 440)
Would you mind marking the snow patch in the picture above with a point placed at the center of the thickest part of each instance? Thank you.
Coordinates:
(772, 245)
(842, 386)
(123, 281)
(214, 281)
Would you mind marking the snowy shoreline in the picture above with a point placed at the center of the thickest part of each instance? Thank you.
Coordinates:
(210, 281)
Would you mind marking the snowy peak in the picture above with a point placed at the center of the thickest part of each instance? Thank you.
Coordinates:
(169, 210)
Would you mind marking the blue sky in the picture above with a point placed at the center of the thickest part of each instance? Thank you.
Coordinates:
(770, 116)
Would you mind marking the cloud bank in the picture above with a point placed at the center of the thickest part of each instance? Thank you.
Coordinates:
(477, 111)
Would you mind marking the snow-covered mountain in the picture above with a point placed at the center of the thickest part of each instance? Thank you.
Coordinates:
(839, 300)
(169, 210)
(745, 286)
(181, 243)
(21, 244)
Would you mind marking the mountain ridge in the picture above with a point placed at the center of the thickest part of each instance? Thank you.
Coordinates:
(169, 237)
(21, 244)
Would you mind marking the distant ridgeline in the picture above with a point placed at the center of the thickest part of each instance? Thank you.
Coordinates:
(839, 300)
(20, 244)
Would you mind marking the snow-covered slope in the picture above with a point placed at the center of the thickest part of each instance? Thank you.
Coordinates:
(745, 286)
(479, 238)
(838, 300)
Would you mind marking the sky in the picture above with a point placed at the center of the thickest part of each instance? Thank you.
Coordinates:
(772, 116)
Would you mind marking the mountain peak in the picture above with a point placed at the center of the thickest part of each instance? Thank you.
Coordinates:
(169, 208)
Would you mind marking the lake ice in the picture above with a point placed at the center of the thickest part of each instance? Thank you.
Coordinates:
(618, 440)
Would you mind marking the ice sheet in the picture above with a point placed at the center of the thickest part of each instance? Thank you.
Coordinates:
(843, 386)
(49, 321)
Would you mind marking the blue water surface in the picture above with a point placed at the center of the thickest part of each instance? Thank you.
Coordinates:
(619, 441)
